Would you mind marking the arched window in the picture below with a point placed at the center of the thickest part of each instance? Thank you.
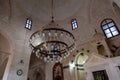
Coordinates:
(109, 28)
(74, 24)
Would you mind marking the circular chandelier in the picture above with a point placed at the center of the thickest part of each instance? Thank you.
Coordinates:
(51, 43)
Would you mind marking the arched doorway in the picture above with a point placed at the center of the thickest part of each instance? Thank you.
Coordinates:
(80, 59)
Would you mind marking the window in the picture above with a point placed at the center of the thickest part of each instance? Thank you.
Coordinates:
(109, 28)
(28, 24)
(100, 75)
(74, 24)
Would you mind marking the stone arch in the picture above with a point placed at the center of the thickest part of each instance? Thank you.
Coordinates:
(80, 59)
(6, 50)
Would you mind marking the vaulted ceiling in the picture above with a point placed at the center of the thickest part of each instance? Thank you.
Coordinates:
(89, 14)
(42, 8)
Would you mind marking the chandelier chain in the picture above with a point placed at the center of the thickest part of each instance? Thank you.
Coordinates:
(52, 10)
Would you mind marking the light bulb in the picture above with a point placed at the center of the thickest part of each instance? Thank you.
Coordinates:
(43, 34)
(49, 34)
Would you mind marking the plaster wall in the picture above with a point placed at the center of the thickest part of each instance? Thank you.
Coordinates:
(109, 64)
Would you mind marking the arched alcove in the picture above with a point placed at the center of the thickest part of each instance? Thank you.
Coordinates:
(80, 59)
(36, 68)
(101, 50)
